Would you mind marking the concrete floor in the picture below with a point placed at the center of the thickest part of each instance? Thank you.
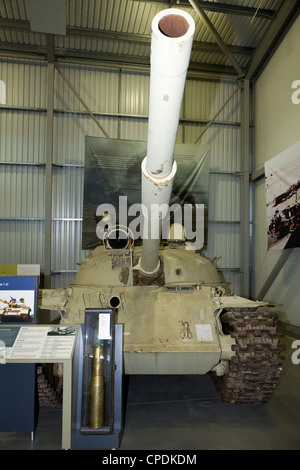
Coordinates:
(185, 413)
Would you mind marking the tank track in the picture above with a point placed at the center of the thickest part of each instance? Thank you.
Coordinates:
(47, 395)
(255, 369)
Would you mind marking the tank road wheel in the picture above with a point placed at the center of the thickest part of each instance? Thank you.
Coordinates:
(255, 369)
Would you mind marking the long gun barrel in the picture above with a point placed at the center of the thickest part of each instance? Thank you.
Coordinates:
(171, 44)
(12, 304)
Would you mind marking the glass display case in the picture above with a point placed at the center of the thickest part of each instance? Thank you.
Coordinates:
(98, 372)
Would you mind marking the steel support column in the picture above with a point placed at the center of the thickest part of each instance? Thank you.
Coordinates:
(245, 190)
(48, 176)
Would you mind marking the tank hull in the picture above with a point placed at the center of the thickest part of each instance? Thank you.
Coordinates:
(169, 327)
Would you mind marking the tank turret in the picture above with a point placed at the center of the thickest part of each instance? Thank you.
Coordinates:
(177, 314)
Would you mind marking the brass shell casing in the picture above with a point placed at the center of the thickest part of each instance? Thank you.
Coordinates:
(96, 412)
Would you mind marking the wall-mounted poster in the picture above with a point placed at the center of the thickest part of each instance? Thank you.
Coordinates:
(282, 174)
(18, 299)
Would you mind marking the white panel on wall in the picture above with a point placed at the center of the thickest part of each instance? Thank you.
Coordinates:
(233, 281)
(66, 245)
(224, 141)
(134, 104)
(98, 88)
(134, 94)
(224, 198)
(25, 82)
(22, 147)
(204, 99)
(69, 135)
(224, 242)
(22, 242)
(22, 191)
(134, 129)
(67, 192)
(2, 92)
(22, 136)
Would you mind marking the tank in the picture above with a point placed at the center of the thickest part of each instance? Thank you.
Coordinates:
(15, 311)
(177, 315)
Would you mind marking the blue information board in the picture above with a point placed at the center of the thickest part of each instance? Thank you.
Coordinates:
(18, 390)
(18, 299)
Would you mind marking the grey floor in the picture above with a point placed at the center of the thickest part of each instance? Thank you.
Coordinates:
(185, 413)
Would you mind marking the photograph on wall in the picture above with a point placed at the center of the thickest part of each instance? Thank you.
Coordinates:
(282, 177)
(113, 169)
(18, 299)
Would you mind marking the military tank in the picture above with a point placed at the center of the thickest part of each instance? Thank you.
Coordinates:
(177, 315)
(15, 311)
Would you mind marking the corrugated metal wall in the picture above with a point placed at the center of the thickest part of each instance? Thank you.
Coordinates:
(203, 100)
(119, 100)
(22, 155)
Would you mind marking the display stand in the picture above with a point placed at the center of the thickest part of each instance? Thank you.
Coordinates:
(18, 398)
(102, 427)
(33, 344)
(18, 390)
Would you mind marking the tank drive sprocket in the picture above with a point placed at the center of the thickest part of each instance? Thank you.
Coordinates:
(255, 368)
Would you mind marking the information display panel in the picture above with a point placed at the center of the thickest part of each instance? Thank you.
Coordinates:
(18, 299)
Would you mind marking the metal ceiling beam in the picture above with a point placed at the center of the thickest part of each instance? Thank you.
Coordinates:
(112, 60)
(200, 11)
(146, 39)
(219, 8)
(17, 25)
(141, 62)
(289, 9)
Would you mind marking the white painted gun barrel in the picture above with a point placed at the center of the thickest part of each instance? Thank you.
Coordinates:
(171, 44)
